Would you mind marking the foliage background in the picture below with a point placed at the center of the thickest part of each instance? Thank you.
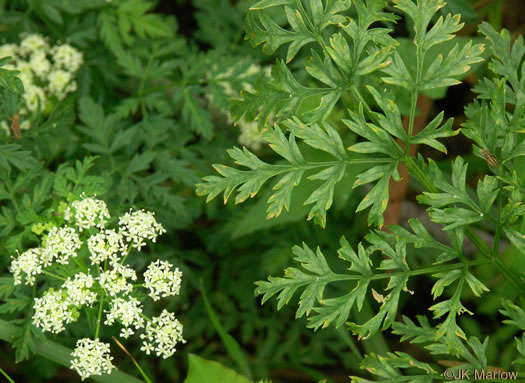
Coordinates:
(149, 119)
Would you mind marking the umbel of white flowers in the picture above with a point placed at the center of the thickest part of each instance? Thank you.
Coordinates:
(95, 277)
(46, 71)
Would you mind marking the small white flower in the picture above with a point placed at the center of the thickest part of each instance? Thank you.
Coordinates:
(162, 335)
(33, 43)
(91, 357)
(67, 57)
(78, 290)
(128, 312)
(88, 213)
(60, 244)
(40, 64)
(140, 225)
(115, 281)
(28, 263)
(107, 244)
(161, 281)
(52, 311)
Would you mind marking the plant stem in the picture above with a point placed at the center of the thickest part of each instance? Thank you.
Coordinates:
(53, 275)
(6, 376)
(99, 319)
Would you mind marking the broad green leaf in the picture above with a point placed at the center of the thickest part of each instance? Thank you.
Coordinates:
(205, 371)
(516, 238)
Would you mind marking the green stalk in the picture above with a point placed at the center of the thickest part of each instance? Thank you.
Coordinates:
(6, 376)
(232, 346)
(146, 378)
(99, 320)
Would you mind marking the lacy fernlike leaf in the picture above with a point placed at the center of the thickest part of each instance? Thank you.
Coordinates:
(318, 274)
(386, 368)
(421, 14)
(281, 97)
(508, 55)
(517, 318)
(338, 309)
(449, 329)
(386, 315)
(421, 238)
(443, 71)
(430, 134)
(515, 314)
(306, 25)
(248, 182)
(444, 209)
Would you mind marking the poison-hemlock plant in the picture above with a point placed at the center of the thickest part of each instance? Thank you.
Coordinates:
(83, 260)
(352, 61)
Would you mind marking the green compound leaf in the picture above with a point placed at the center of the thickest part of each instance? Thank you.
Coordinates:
(508, 55)
(378, 196)
(386, 368)
(11, 155)
(281, 97)
(306, 25)
(315, 280)
(387, 312)
(430, 134)
(514, 312)
(338, 309)
(9, 79)
(443, 72)
(248, 182)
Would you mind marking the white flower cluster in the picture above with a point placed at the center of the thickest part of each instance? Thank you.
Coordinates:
(106, 245)
(139, 225)
(162, 335)
(102, 278)
(128, 313)
(91, 357)
(27, 263)
(52, 311)
(88, 213)
(59, 245)
(161, 281)
(46, 72)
